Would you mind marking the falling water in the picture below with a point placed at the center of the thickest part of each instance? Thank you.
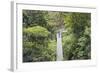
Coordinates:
(59, 47)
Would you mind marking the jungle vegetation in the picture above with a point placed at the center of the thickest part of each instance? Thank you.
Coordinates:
(39, 35)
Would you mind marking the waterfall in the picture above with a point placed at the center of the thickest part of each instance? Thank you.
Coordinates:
(59, 47)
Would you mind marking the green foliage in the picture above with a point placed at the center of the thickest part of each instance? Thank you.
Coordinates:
(78, 45)
(31, 18)
(28, 44)
(37, 41)
(39, 35)
(36, 31)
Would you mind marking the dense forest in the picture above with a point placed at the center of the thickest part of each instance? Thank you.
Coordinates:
(39, 35)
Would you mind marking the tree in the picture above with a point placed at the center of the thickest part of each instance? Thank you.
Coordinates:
(33, 18)
(77, 43)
